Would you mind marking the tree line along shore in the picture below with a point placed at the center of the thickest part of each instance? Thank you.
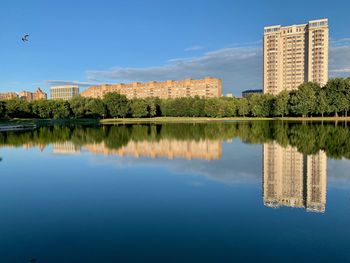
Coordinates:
(310, 99)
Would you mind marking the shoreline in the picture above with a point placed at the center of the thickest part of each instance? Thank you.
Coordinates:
(6, 124)
(204, 119)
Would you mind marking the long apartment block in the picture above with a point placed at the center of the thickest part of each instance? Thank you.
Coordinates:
(294, 55)
(208, 88)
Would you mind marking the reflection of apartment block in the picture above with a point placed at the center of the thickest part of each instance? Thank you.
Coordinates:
(293, 179)
(294, 55)
(207, 87)
(64, 92)
(205, 149)
(316, 182)
(65, 148)
(41, 146)
(283, 176)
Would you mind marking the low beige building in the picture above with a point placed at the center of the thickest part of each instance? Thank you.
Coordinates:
(31, 96)
(208, 88)
(8, 95)
(64, 92)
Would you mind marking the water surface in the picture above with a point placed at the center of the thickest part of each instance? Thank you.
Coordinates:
(218, 192)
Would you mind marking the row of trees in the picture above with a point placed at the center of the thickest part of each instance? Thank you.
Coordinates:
(308, 100)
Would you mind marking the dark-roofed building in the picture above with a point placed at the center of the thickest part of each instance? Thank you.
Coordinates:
(245, 93)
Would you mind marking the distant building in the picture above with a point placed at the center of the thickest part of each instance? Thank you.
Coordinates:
(40, 95)
(229, 95)
(294, 55)
(8, 95)
(30, 96)
(208, 88)
(245, 93)
(64, 92)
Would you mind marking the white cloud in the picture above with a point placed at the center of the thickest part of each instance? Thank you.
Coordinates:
(339, 61)
(340, 41)
(194, 48)
(239, 67)
(69, 82)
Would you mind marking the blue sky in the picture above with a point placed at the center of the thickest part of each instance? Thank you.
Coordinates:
(105, 41)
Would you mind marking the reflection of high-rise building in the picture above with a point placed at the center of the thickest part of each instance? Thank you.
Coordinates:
(65, 148)
(316, 182)
(189, 149)
(293, 179)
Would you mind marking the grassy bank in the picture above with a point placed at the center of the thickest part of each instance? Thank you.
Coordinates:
(201, 119)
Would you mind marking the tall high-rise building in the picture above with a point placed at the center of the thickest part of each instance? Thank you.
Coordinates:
(294, 179)
(294, 55)
(64, 92)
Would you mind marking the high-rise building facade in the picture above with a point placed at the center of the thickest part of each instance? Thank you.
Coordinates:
(64, 92)
(294, 55)
(294, 179)
(208, 87)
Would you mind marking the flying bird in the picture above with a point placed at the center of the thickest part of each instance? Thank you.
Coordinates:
(25, 38)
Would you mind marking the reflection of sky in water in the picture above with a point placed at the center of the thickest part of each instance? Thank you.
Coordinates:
(106, 208)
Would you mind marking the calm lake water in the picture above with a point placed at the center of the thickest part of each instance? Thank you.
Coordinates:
(218, 192)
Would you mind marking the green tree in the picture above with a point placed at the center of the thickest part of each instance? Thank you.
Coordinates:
(230, 107)
(17, 108)
(153, 105)
(117, 105)
(78, 106)
(260, 104)
(198, 107)
(2, 109)
(139, 108)
(322, 104)
(214, 107)
(303, 100)
(61, 109)
(243, 107)
(43, 108)
(336, 94)
(281, 104)
(96, 108)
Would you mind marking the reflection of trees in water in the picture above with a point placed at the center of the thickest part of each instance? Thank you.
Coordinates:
(307, 138)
